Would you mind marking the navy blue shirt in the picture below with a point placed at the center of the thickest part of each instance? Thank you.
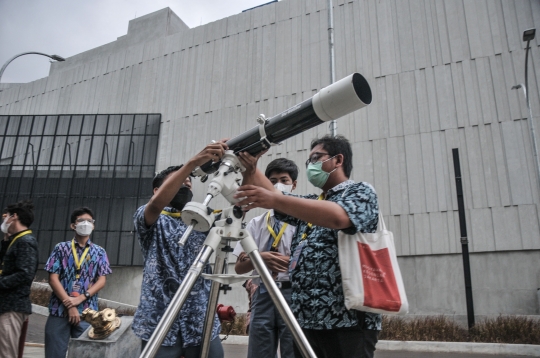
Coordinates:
(317, 291)
(165, 266)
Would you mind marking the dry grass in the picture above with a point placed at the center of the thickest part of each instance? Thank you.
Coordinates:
(237, 327)
(40, 296)
(507, 329)
(437, 328)
(503, 329)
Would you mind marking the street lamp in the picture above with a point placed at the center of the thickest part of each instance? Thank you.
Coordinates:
(54, 57)
(528, 35)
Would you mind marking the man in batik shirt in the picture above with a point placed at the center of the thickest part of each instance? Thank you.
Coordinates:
(159, 227)
(77, 272)
(317, 292)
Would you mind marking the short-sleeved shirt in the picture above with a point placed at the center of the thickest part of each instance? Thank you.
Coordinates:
(166, 264)
(258, 229)
(62, 263)
(317, 291)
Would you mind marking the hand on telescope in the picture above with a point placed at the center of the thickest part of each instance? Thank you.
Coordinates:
(256, 197)
(250, 162)
(275, 261)
(213, 151)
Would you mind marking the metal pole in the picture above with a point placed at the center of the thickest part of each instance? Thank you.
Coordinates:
(333, 124)
(464, 240)
(212, 304)
(280, 302)
(54, 57)
(531, 120)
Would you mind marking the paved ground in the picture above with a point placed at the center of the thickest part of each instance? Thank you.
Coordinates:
(37, 325)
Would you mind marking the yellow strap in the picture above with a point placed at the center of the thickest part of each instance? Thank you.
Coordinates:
(277, 238)
(310, 225)
(25, 232)
(173, 215)
(76, 257)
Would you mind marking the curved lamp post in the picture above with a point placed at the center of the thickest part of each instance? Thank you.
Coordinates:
(54, 57)
(528, 35)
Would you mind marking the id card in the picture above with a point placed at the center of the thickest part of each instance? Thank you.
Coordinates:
(296, 255)
(76, 288)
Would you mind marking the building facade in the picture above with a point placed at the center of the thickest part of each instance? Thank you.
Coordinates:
(441, 74)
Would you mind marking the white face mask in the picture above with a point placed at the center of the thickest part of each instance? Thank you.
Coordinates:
(283, 187)
(5, 226)
(84, 228)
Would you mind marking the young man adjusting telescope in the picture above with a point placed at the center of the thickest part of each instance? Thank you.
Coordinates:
(317, 293)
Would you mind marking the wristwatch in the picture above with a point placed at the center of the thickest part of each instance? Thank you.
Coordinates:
(87, 295)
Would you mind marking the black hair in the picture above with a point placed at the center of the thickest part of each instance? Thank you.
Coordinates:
(334, 146)
(24, 210)
(160, 177)
(282, 165)
(80, 211)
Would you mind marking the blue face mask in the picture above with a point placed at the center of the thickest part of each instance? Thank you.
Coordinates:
(316, 175)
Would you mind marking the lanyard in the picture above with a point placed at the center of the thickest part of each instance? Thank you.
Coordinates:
(25, 232)
(173, 215)
(309, 225)
(277, 238)
(76, 257)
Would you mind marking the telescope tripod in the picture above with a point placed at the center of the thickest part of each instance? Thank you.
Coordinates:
(227, 229)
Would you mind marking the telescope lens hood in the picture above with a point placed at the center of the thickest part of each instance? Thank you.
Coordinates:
(342, 97)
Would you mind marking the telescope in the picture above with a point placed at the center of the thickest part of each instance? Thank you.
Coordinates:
(332, 102)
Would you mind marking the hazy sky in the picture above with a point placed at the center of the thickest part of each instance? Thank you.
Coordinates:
(69, 27)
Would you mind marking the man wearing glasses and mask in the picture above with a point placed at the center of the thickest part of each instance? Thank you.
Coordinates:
(159, 227)
(317, 293)
(77, 270)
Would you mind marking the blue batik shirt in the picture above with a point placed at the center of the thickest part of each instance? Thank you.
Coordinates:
(317, 291)
(165, 266)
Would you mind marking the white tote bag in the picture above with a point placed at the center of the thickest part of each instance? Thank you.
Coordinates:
(371, 277)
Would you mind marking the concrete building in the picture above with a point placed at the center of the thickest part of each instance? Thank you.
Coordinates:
(441, 73)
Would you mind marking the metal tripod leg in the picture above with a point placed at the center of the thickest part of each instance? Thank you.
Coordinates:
(212, 304)
(249, 246)
(210, 244)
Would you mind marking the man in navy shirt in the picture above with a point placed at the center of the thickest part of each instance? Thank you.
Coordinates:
(159, 227)
(317, 292)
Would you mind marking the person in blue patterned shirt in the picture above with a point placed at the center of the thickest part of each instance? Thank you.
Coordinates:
(159, 228)
(317, 292)
(77, 271)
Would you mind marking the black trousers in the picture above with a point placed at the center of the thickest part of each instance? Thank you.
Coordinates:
(341, 342)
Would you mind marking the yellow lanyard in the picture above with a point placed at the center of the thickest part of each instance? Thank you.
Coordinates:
(277, 238)
(173, 215)
(310, 225)
(76, 257)
(25, 232)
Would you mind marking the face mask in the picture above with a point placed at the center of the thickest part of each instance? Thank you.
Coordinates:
(283, 187)
(316, 175)
(5, 226)
(181, 198)
(84, 228)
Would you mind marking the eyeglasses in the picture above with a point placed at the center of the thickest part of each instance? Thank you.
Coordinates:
(83, 220)
(315, 157)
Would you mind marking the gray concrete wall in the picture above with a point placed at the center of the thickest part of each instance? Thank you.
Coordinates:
(440, 72)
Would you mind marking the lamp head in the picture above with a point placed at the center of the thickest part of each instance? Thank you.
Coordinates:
(58, 58)
(528, 35)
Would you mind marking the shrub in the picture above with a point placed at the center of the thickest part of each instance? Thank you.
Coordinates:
(507, 329)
